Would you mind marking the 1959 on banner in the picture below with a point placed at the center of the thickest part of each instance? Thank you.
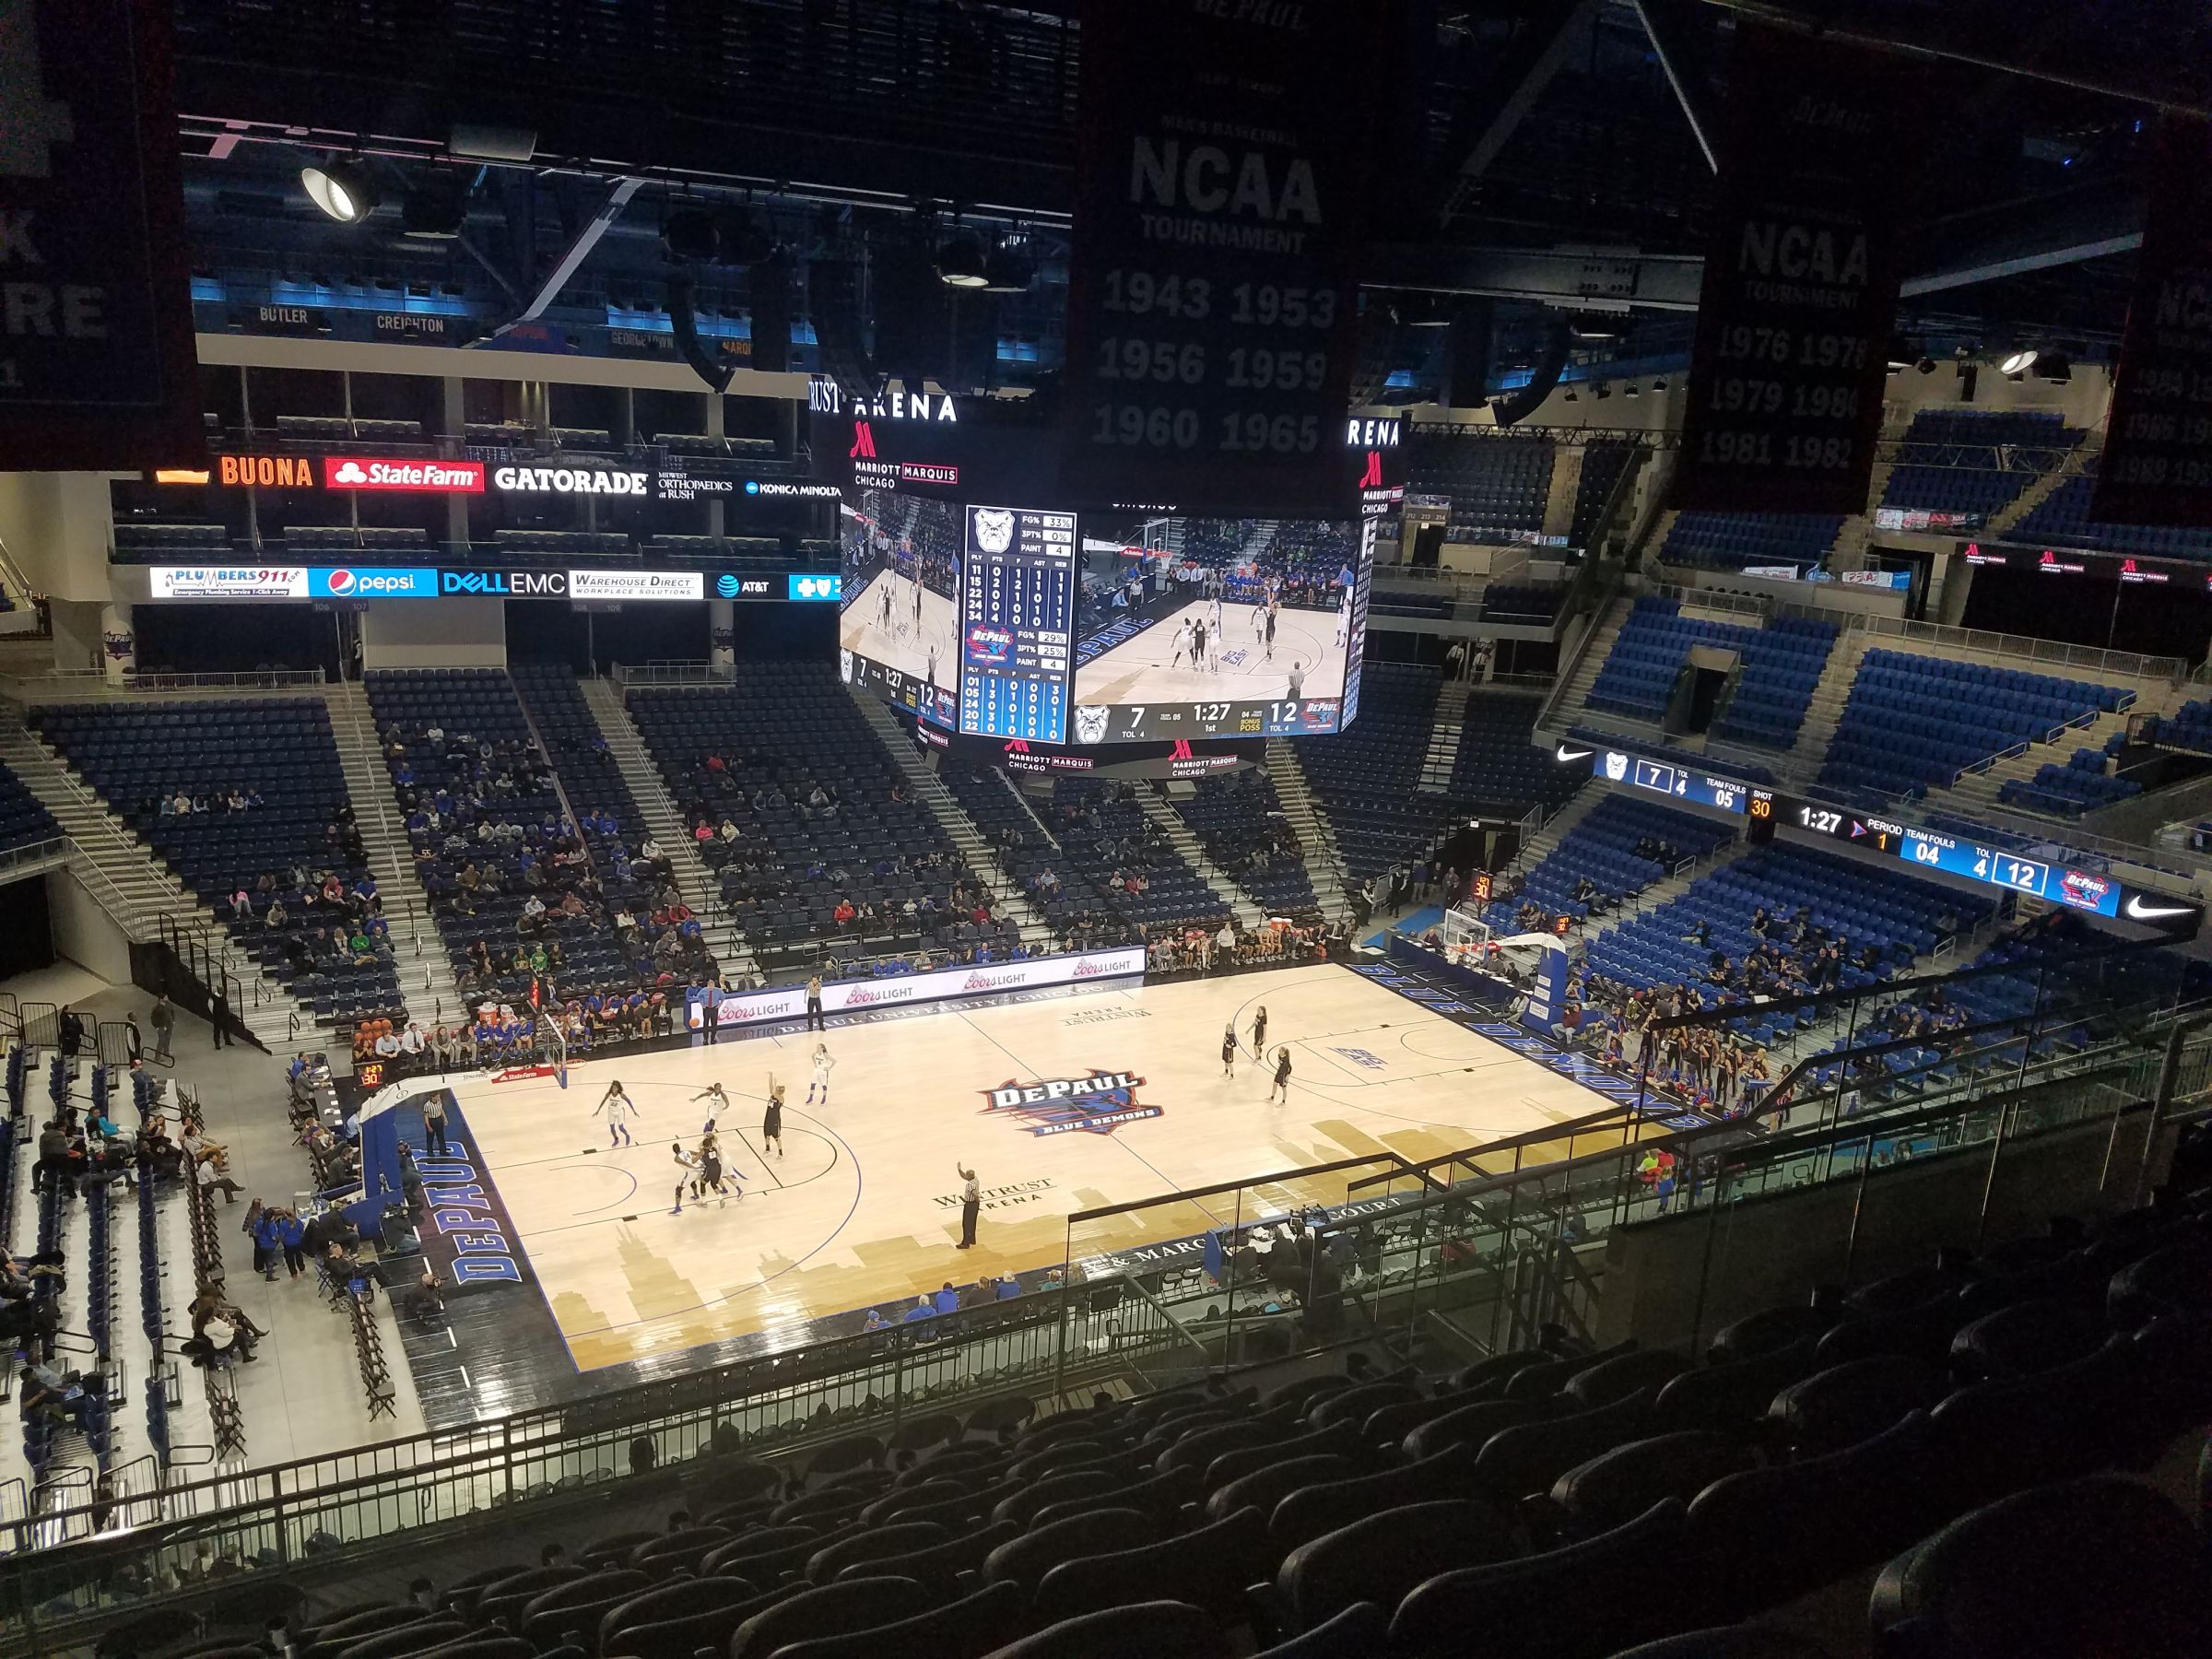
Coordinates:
(1211, 304)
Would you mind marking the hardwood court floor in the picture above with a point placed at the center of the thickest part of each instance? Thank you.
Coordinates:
(863, 1208)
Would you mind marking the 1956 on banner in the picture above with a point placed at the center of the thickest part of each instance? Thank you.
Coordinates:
(1223, 154)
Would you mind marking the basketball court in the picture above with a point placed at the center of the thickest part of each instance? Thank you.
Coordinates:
(894, 639)
(862, 1210)
(1141, 670)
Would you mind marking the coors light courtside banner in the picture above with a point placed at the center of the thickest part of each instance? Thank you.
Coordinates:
(1222, 162)
(97, 366)
(1799, 297)
(2158, 450)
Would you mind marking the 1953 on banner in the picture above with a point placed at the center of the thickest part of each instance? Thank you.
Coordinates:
(1223, 157)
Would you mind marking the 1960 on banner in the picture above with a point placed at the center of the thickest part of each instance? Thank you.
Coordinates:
(1224, 154)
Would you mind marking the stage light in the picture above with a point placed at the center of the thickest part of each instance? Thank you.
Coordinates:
(2018, 362)
(434, 209)
(1604, 391)
(1632, 389)
(1658, 385)
(342, 189)
(1926, 365)
(1571, 395)
(960, 261)
(2055, 366)
(742, 238)
(688, 236)
(1011, 267)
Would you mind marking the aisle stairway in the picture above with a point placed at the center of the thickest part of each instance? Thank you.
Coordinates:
(1168, 822)
(1325, 859)
(699, 885)
(129, 880)
(2014, 512)
(1442, 759)
(425, 972)
(975, 852)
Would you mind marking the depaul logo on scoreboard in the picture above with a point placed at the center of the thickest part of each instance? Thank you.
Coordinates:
(989, 647)
(1098, 1104)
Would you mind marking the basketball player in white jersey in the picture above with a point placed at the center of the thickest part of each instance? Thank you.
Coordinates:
(1344, 618)
(619, 1108)
(820, 1085)
(1183, 641)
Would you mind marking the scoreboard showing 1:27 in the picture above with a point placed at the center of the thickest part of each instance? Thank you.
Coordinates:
(1017, 609)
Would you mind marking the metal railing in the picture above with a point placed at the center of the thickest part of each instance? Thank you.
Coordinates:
(671, 673)
(51, 684)
(32, 857)
(2045, 653)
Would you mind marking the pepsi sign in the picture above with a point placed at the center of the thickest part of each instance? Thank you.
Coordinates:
(366, 582)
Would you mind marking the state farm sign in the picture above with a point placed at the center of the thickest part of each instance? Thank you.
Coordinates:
(437, 478)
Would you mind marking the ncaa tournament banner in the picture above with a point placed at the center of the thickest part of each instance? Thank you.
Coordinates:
(1799, 297)
(2158, 449)
(1222, 173)
(97, 364)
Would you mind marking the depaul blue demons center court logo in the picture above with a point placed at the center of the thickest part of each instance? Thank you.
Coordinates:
(1100, 1104)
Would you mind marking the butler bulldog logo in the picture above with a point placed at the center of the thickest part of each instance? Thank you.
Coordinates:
(1090, 723)
(1099, 1103)
(1616, 767)
(994, 529)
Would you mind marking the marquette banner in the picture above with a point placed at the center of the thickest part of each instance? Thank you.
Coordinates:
(97, 366)
(2157, 454)
(1801, 279)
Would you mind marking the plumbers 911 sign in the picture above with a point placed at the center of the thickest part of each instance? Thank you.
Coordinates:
(96, 366)
(1223, 149)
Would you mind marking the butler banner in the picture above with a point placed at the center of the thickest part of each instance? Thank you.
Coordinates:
(97, 366)
(1223, 157)
(1799, 297)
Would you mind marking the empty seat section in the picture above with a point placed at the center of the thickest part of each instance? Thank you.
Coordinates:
(1498, 761)
(1620, 846)
(1369, 775)
(1975, 462)
(1498, 486)
(1914, 722)
(1737, 541)
(1780, 665)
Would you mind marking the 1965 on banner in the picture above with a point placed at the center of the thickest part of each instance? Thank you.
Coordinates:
(1223, 169)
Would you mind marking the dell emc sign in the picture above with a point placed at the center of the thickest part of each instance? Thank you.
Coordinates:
(506, 585)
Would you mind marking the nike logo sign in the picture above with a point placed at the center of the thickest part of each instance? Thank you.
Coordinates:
(1566, 754)
(2137, 911)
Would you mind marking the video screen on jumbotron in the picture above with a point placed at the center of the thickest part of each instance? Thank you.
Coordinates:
(899, 628)
(1218, 628)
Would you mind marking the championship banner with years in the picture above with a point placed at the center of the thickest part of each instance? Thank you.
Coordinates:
(97, 364)
(1222, 163)
(2158, 452)
(1800, 289)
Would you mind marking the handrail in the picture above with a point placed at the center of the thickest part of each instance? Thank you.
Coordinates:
(1599, 611)
(49, 684)
(2172, 669)
(672, 671)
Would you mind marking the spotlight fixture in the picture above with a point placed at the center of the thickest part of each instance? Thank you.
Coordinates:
(2018, 362)
(2055, 366)
(1631, 388)
(344, 189)
(1604, 391)
(688, 236)
(1658, 385)
(434, 209)
(1571, 395)
(960, 261)
(742, 238)
(1011, 268)
(1926, 365)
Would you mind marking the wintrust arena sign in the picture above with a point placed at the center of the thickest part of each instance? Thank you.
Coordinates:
(427, 477)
